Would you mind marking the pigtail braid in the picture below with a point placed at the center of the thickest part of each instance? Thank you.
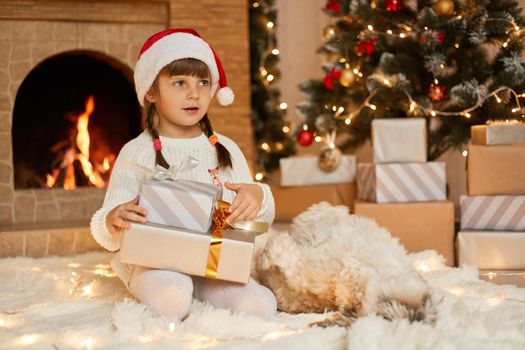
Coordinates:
(223, 155)
(150, 115)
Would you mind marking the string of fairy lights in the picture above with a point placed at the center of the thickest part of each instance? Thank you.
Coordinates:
(406, 32)
(266, 79)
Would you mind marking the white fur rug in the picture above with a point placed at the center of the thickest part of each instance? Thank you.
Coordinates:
(77, 303)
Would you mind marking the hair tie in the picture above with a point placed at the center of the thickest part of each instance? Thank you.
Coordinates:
(157, 145)
(213, 139)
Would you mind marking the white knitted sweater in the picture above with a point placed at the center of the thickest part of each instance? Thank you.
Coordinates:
(125, 181)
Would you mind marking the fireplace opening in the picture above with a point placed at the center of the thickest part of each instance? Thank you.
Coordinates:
(72, 114)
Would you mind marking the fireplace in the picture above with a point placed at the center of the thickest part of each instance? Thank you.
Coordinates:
(72, 114)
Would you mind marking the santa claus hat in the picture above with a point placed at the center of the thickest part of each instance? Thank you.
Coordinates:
(169, 45)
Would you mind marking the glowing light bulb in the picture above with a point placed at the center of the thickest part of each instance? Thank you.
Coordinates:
(402, 35)
(370, 28)
(269, 25)
(269, 77)
(275, 51)
(283, 105)
(464, 153)
(389, 32)
(372, 107)
(433, 113)
(348, 121)
(286, 129)
(318, 138)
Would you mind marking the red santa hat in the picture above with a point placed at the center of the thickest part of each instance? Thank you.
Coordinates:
(169, 45)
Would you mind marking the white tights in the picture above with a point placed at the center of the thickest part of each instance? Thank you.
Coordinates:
(170, 293)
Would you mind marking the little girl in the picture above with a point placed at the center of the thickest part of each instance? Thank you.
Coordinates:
(176, 76)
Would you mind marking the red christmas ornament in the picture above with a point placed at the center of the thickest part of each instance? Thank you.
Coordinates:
(334, 6)
(305, 138)
(366, 46)
(393, 5)
(329, 78)
(437, 92)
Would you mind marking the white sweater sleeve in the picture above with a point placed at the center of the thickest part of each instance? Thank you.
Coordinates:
(241, 174)
(124, 185)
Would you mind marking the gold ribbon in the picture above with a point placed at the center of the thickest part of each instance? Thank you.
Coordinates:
(219, 223)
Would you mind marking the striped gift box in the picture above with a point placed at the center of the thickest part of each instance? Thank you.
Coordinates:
(401, 182)
(502, 213)
(182, 203)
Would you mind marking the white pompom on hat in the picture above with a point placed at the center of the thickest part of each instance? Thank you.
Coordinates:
(169, 45)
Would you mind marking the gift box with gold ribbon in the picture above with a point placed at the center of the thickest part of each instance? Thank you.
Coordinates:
(225, 253)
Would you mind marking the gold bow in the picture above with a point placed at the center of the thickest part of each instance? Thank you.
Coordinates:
(219, 223)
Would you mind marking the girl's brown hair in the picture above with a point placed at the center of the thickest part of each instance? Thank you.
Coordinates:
(185, 66)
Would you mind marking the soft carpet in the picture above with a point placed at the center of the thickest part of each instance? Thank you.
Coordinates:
(78, 303)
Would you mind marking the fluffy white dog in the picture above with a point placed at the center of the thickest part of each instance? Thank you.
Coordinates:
(331, 260)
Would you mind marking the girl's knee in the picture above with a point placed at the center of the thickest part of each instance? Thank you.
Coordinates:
(164, 292)
(173, 301)
(261, 302)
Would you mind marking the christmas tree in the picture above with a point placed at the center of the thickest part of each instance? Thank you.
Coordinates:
(268, 111)
(456, 63)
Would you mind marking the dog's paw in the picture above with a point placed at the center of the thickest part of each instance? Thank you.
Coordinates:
(338, 319)
(392, 309)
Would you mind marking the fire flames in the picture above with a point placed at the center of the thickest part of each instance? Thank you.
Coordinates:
(79, 152)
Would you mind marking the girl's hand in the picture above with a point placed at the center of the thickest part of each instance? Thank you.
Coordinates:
(247, 202)
(119, 217)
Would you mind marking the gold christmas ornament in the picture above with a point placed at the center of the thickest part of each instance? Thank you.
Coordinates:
(443, 7)
(347, 77)
(329, 159)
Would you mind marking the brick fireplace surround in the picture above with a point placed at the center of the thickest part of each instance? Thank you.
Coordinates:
(40, 222)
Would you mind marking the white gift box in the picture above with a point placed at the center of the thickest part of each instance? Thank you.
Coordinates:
(492, 249)
(498, 134)
(499, 213)
(186, 251)
(401, 182)
(399, 140)
(180, 203)
(304, 170)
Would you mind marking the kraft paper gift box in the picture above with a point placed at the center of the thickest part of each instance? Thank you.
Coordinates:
(492, 249)
(419, 226)
(399, 140)
(304, 170)
(498, 134)
(293, 200)
(401, 182)
(187, 251)
(496, 170)
(180, 203)
(499, 213)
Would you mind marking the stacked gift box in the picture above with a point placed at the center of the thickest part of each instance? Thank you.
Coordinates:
(403, 192)
(303, 183)
(181, 233)
(492, 234)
